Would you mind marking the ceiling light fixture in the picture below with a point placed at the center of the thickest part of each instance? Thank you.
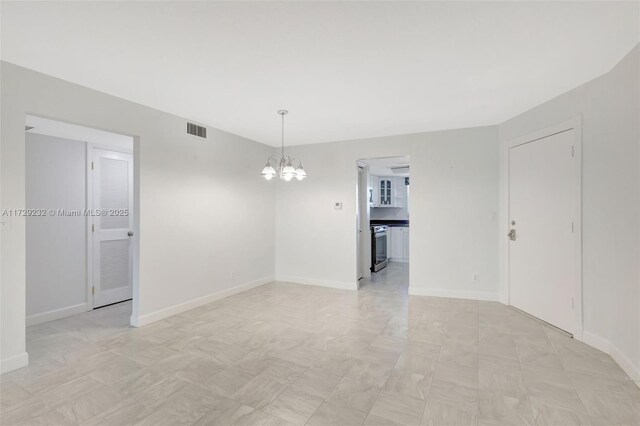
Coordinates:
(283, 168)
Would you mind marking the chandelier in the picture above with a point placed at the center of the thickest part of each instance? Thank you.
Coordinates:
(283, 168)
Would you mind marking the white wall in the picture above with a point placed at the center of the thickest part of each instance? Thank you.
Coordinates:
(56, 250)
(203, 212)
(609, 106)
(454, 202)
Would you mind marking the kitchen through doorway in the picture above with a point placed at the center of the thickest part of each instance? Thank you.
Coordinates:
(383, 224)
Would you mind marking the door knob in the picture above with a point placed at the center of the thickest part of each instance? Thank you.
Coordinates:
(512, 234)
(130, 233)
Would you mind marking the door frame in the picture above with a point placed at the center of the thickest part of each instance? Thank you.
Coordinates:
(571, 124)
(363, 242)
(90, 219)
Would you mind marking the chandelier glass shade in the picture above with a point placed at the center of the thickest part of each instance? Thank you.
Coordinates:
(283, 168)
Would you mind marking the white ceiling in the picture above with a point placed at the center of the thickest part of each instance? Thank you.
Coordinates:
(343, 69)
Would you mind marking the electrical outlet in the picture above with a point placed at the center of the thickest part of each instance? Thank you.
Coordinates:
(476, 278)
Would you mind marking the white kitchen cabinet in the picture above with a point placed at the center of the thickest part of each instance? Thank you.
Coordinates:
(387, 191)
(399, 243)
(399, 192)
(374, 192)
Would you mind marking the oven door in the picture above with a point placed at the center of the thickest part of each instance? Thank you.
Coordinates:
(378, 250)
(381, 246)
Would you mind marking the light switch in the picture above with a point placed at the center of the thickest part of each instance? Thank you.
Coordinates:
(337, 205)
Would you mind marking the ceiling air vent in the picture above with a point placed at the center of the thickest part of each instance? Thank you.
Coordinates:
(195, 130)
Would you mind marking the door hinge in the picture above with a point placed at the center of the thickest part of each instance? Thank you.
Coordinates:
(93, 290)
(572, 225)
(92, 165)
(573, 304)
(93, 228)
(573, 151)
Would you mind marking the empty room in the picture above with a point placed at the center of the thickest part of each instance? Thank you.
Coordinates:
(320, 213)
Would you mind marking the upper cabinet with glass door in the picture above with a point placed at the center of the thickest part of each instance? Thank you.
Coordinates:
(388, 191)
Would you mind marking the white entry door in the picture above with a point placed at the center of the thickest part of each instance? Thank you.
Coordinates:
(544, 251)
(112, 196)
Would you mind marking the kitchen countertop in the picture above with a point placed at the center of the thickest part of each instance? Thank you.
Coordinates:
(389, 222)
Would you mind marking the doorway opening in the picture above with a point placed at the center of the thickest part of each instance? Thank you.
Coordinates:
(383, 224)
(80, 237)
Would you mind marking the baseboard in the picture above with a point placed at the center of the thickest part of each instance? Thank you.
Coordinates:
(605, 345)
(14, 362)
(321, 283)
(194, 303)
(56, 314)
(454, 294)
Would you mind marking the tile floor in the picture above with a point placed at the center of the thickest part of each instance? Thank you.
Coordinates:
(287, 354)
(394, 278)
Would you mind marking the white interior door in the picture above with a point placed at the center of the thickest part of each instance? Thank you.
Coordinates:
(112, 196)
(543, 213)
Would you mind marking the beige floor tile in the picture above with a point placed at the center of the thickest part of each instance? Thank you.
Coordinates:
(373, 420)
(138, 381)
(443, 413)
(318, 382)
(157, 393)
(618, 410)
(48, 418)
(359, 395)
(230, 381)
(115, 370)
(37, 383)
(190, 403)
(160, 418)
(200, 371)
(337, 413)
(128, 412)
(294, 405)
(224, 354)
(546, 415)
(283, 354)
(260, 391)
(68, 391)
(398, 408)
(229, 413)
(12, 395)
(547, 393)
(264, 419)
(287, 371)
(90, 404)
(508, 382)
(408, 383)
(498, 409)
(24, 412)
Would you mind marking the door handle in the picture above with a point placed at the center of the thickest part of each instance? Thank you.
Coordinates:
(130, 233)
(512, 234)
